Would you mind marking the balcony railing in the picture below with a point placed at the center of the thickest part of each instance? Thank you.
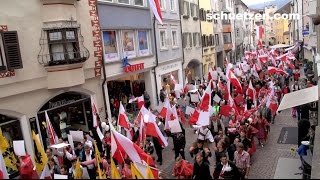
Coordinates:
(226, 22)
(60, 58)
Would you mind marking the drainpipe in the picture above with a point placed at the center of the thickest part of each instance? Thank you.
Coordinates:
(183, 61)
(201, 44)
(156, 55)
(104, 74)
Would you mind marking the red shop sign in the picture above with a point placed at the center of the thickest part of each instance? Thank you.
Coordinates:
(134, 67)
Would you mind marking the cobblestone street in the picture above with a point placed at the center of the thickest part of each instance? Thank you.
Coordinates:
(264, 161)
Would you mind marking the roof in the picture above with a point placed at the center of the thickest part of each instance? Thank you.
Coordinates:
(286, 33)
(240, 2)
(285, 9)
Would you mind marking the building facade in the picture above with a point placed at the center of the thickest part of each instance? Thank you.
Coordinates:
(169, 46)
(217, 7)
(191, 39)
(269, 24)
(228, 31)
(207, 37)
(48, 63)
(129, 55)
(309, 33)
(281, 26)
(241, 30)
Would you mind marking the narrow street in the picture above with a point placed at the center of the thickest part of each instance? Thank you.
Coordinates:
(265, 160)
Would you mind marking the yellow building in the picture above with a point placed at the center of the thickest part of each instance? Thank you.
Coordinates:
(281, 30)
(281, 26)
(208, 37)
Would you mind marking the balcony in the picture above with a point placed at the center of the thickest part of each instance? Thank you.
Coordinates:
(227, 46)
(63, 55)
(226, 28)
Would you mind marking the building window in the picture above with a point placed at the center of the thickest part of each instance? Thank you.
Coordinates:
(174, 38)
(124, 1)
(110, 44)
(63, 45)
(195, 39)
(227, 38)
(143, 39)
(237, 10)
(217, 39)
(186, 7)
(162, 4)
(10, 56)
(128, 44)
(138, 2)
(172, 5)
(163, 39)
(190, 39)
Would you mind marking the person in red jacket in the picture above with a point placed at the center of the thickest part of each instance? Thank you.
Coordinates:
(182, 169)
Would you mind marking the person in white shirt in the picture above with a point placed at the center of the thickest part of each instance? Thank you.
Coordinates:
(88, 160)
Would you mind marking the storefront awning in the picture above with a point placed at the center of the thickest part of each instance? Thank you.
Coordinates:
(280, 46)
(298, 98)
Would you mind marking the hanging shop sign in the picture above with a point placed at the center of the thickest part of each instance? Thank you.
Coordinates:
(131, 68)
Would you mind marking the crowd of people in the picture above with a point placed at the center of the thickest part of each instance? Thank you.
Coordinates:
(239, 120)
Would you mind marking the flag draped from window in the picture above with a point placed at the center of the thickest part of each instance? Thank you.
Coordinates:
(100, 169)
(40, 157)
(7, 153)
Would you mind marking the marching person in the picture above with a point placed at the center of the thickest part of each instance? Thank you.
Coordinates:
(226, 169)
(201, 169)
(182, 169)
(88, 160)
(242, 160)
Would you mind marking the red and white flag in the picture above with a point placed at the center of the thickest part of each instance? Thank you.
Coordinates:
(94, 112)
(53, 138)
(155, 7)
(185, 88)
(206, 99)
(135, 153)
(3, 170)
(259, 32)
(272, 70)
(263, 58)
(139, 100)
(251, 91)
(234, 80)
(123, 120)
(173, 79)
(151, 127)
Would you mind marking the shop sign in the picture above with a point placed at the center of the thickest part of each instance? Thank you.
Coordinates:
(134, 67)
(131, 68)
(60, 103)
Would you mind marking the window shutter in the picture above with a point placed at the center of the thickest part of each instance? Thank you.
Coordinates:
(212, 39)
(184, 40)
(194, 39)
(201, 14)
(203, 41)
(190, 39)
(181, 4)
(197, 11)
(191, 9)
(200, 39)
(12, 50)
(188, 9)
